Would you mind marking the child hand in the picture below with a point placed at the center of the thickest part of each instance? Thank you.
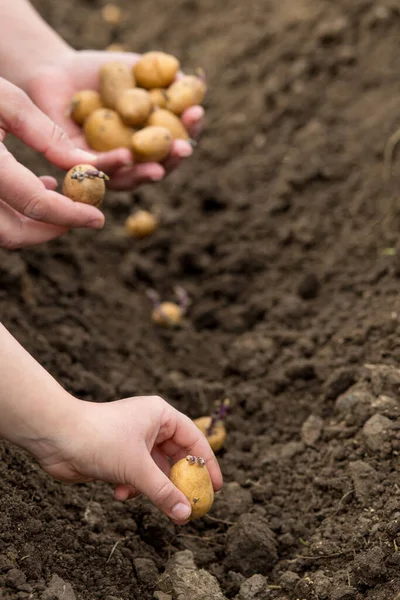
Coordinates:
(128, 443)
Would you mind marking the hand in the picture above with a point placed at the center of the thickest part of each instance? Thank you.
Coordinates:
(31, 212)
(128, 443)
(52, 88)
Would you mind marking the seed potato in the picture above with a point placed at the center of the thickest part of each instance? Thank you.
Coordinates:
(158, 97)
(165, 118)
(193, 480)
(185, 92)
(84, 183)
(104, 130)
(167, 314)
(83, 104)
(115, 78)
(151, 144)
(155, 70)
(217, 437)
(134, 106)
(141, 224)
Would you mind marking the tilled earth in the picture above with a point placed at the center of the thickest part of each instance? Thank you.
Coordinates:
(284, 234)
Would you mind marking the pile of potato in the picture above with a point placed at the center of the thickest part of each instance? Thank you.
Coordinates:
(138, 107)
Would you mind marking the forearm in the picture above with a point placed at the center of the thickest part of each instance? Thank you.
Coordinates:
(33, 406)
(26, 41)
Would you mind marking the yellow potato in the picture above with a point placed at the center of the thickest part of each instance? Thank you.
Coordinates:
(165, 118)
(83, 104)
(84, 183)
(141, 224)
(151, 144)
(217, 437)
(104, 130)
(187, 91)
(117, 48)
(167, 314)
(134, 106)
(190, 475)
(155, 70)
(158, 97)
(111, 13)
(115, 78)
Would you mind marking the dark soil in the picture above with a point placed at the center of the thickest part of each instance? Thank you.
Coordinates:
(279, 229)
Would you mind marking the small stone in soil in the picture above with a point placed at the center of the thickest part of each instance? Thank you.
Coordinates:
(377, 432)
(254, 588)
(311, 430)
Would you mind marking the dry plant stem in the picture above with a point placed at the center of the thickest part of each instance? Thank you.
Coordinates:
(217, 416)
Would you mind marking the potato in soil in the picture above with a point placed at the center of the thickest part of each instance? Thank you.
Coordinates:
(141, 224)
(216, 438)
(104, 130)
(115, 78)
(193, 480)
(84, 183)
(187, 91)
(167, 314)
(165, 118)
(134, 106)
(83, 104)
(155, 70)
(158, 97)
(151, 144)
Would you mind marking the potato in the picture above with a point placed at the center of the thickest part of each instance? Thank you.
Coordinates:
(111, 13)
(155, 70)
(117, 48)
(187, 91)
(190, 475)
(84, 183)
(151, 144)
(83, 104)
(141, 224)
(217, 437)
(158, 97)
(167, 314)
(115, 78)
(134, 106)
(104, 130)
(165, 118)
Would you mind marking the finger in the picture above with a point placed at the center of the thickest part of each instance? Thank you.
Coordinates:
(50, 183)
(128, 178)
(193, 120)
(180, 150)
(26, 193)
(20, 117)
(184, 434)
(125, 492)
(152, 482)
(19, 232)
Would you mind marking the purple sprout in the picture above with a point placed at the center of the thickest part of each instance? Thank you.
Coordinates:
(218, 415)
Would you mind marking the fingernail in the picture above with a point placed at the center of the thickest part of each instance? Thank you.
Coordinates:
(197, 113)
(88, 156)
(183, 149)
(181, 512)
(95, 223)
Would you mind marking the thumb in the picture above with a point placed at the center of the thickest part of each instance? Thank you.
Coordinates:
(154, 484)
(22, 118)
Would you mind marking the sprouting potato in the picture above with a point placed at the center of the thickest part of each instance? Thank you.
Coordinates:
(217, 436)
(151, 144)
(134, 106)
(141, 224)
(155, 70)
(104, 130)
(115, 78)
(165, 118)
(167, 314)
(84, 183)
(159, 97)
(190, 475)
(185, 92)
(83, 104)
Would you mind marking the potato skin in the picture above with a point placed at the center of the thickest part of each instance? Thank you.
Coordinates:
(115, 77)
(155, 70)
(104, 130)
(164, 118)
(185, 92)
(151, 144)
(83, 104)
(89, 189)
(217, 437)
(134, 106)
(195, 483)
(141, 224)
(167, 314)
(159, 97)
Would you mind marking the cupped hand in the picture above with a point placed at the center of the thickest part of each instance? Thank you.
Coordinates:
(130, 443)
(52, 88)
(31, 212)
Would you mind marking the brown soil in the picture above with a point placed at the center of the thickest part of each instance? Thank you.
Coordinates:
(278, 228)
